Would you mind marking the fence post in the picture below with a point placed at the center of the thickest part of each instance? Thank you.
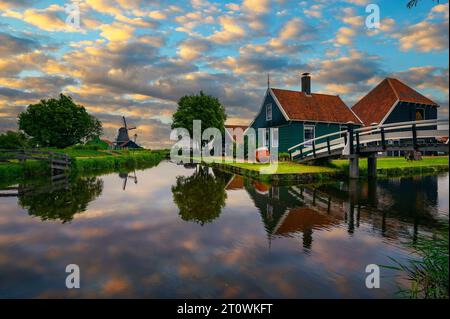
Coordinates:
(350, 136)
(328, 145)
(383, 139)
(357, 142)
(414, 134)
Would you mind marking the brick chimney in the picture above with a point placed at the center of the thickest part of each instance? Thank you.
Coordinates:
(306, 83)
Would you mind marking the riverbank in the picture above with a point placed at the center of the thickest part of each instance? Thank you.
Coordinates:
(84, 162)
(290, 171)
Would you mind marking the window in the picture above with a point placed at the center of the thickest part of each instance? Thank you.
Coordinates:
(309, 133)
(275, 137)
(275, 192)
(420, 114)
(267, 136)
(269, 112)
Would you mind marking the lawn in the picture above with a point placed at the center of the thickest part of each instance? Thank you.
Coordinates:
(286, 168)
(384, 163)
(397, 162)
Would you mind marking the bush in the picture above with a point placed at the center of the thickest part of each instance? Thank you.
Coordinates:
(284, 156)
(13, 140)
(86, 147)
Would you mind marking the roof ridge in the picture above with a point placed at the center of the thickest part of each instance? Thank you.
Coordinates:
(312, 93)
(392, 87)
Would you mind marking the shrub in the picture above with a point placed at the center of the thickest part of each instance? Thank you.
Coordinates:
(13, 140)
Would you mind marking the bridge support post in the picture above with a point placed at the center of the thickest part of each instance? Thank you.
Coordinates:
(372, 166)
(353, 166)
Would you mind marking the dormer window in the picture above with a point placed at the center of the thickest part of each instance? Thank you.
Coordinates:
(269, 112)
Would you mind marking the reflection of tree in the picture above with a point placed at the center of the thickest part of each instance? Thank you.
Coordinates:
(61, 203)
(200, 197)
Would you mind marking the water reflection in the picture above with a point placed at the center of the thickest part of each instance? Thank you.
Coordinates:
(125, 176)
(256, 241)
(200, 197)
(389, 206)
(59, 201)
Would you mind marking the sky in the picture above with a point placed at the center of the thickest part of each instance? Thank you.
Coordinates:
(137, 58)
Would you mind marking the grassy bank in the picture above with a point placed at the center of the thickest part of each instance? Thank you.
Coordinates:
(84, 162)
(386, 167)
(130, 159)
(398, 166)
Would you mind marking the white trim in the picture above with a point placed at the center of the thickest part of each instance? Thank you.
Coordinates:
(279, 105)
(388, 113)
(273, 129)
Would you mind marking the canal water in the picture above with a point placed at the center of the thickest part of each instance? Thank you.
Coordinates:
(192, 232)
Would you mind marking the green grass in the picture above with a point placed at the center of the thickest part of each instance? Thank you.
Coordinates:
(428, 274)
(126, 160)
(398, 166)
(396, 162)
(384, 166)
(285, 168)
(85, 162)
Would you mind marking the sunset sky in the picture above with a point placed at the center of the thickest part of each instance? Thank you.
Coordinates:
(138, 57)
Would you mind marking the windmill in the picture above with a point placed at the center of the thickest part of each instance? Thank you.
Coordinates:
(123, 138)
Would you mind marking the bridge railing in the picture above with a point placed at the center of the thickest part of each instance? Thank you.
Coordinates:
(56, 160)
(351, 140)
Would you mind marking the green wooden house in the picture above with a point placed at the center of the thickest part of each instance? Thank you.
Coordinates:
(292, 117)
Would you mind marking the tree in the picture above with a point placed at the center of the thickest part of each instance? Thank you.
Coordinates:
(59, 123)
(200, 197)
(50, 203)
(413, 3)
(199, 107)
(13, 140)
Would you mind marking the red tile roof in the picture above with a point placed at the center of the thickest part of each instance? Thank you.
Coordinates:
(314, 107)
(373, 107)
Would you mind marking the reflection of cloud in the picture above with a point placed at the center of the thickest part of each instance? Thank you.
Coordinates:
(133, 244)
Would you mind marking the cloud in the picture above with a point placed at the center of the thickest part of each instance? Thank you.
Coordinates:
(116, 32)
(429, 35)
(231, 30)
(426, 77)
(49, 19)
(256, 6)
(12, 45)
(192, 49)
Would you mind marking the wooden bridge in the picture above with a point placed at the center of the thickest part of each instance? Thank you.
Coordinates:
(59, 163)
(368, 141)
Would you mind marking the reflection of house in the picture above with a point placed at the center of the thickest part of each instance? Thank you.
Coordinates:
(236, 182)
(301, 220)
(284, 213)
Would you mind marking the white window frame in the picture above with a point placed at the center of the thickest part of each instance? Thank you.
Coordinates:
(309, 126)
(274, 141)
(269, 112)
